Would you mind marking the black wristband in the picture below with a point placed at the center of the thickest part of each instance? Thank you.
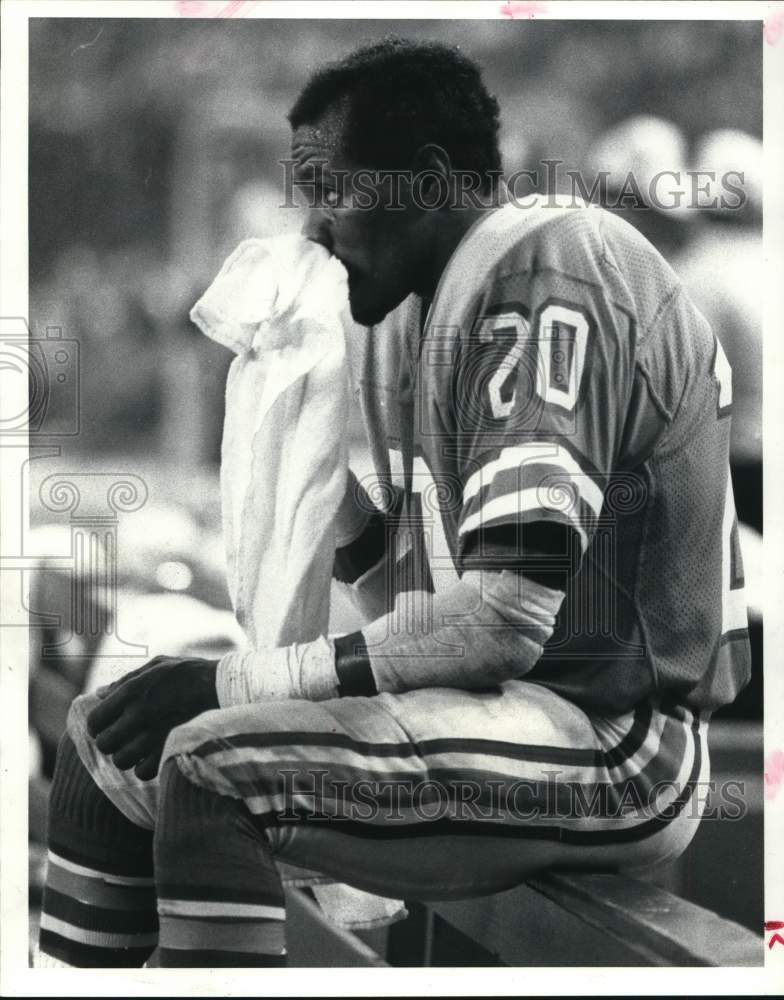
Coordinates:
(352, 666)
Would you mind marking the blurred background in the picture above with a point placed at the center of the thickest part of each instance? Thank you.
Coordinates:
(153, 151)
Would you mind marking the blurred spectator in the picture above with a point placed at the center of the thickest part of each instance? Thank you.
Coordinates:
(644, 159)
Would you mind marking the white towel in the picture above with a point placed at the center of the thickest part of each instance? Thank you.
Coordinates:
(282, 305)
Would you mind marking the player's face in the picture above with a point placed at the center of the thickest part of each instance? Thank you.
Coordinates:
(382, 248)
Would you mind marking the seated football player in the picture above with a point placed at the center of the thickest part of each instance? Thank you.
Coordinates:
(546, 557)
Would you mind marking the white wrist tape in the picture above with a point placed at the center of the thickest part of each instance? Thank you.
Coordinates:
(303, 670)
(353, 514)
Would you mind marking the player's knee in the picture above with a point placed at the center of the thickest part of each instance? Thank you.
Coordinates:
(79, 812)
(189, 736)
(190, 816)
(213, 727)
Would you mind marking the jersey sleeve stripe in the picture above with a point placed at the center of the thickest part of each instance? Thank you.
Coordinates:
(519, 507)
(536, 454)
(557, 488)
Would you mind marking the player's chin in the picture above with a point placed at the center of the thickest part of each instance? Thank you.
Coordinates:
(366, 309)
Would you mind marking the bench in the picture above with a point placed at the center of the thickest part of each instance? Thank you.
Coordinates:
(555, 919)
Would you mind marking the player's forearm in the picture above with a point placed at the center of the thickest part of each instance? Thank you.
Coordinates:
(361, 568)
(360, 533)
(488, 628)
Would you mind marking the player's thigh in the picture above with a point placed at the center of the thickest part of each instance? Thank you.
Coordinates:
(455, 859)
(389, 793)
(367, 759)
(436, 793)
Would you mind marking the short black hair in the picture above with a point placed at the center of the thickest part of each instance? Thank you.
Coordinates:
(401, 94)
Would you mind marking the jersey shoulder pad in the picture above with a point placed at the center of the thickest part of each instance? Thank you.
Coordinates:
(511, 248)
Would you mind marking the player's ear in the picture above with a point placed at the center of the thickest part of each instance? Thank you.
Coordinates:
(432, 177)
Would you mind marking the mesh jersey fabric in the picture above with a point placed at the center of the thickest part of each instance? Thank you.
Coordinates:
(562, 375)
(734, 309)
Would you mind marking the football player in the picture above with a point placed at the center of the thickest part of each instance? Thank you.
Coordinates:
(546, 558)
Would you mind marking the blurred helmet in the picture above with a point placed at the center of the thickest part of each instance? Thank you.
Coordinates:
(642, 153)
(729, 150)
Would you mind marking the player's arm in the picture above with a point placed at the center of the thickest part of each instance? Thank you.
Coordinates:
(362, 552)
(360, 533)
(356, 558)
(487, 628)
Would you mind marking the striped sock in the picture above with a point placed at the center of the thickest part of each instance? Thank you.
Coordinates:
(93, 918)
(99, 906)
(220, 899)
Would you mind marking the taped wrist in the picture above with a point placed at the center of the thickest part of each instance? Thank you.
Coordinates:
(303, 670)
(488, 628)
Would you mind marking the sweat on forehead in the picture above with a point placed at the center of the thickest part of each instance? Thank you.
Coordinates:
(323, 138)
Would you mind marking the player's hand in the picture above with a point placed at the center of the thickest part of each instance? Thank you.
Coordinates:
(138, 712)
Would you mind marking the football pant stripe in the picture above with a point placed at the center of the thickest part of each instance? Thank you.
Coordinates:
(251, 775)
(402, 788)
(591, 756)
(612, 831)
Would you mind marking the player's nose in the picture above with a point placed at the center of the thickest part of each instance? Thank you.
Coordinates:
(317, 228)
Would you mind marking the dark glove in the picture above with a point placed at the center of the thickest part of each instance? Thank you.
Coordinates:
(138, 712)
